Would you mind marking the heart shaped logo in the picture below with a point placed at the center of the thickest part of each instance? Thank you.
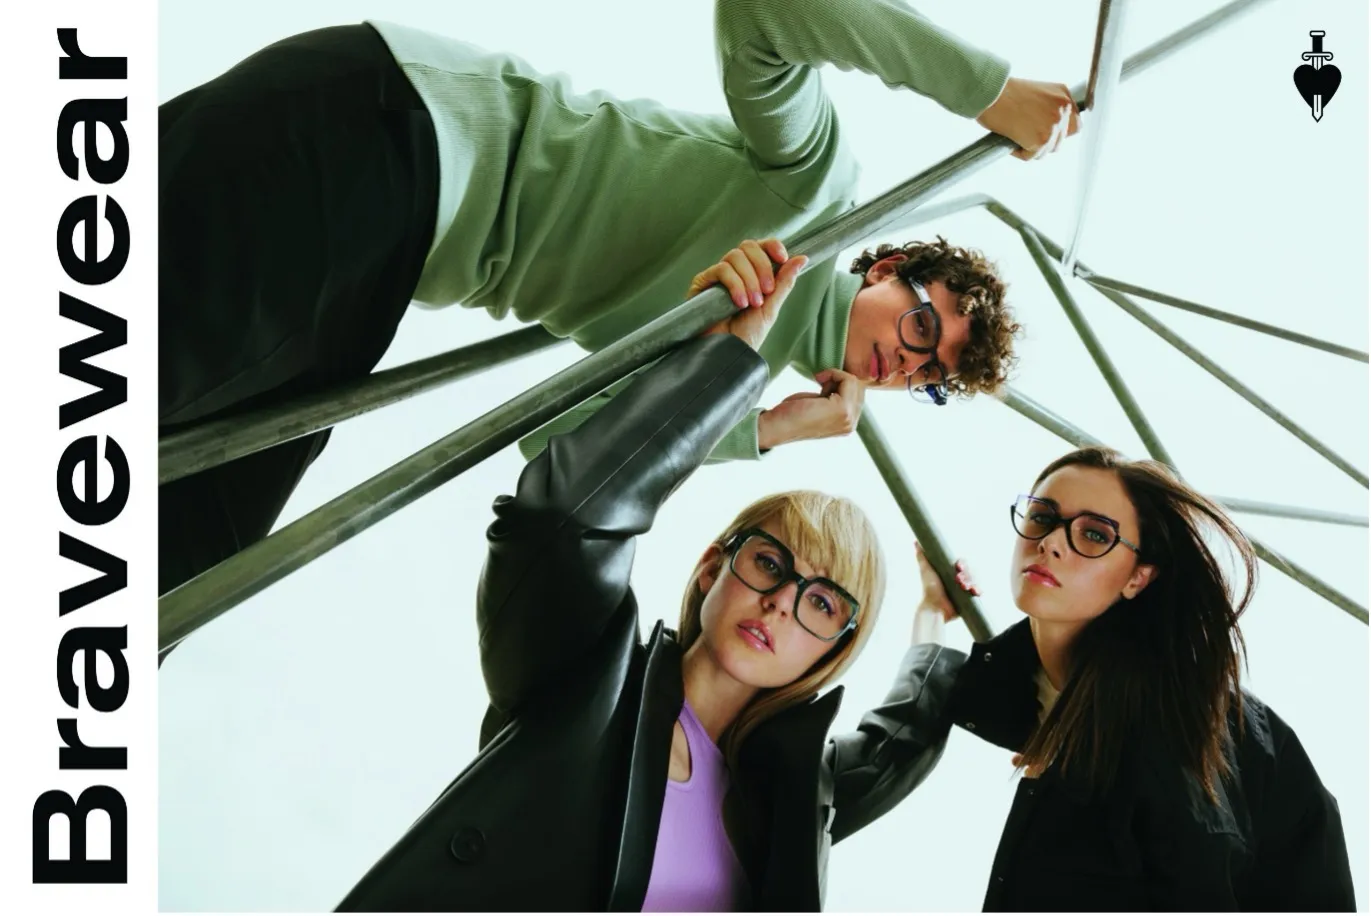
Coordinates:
(1323, 81)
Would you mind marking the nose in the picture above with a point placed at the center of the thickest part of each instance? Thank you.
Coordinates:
(906, 368)
(781, 601)
(1055, 542)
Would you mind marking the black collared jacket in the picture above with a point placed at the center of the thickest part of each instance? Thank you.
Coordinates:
(560, 809)
(1274, 842)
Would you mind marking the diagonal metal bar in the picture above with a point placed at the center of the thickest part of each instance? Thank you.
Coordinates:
(186, 608)
(1275, 510)
(1054, 423)
(921, 521)
(1097, 352)
(1214, 369)
(199, 447)
(1120, 286)
(1054, 250)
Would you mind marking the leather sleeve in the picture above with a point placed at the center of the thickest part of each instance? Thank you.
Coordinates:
(1302, 863)
(897, 744)
(561, 549)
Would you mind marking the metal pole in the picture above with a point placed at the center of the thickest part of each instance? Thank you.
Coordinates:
(902, 489)
(1252, 507)
(1105, 70)
(1119, 286)
(1054, 250)
(1097, 352)
(194, 603)
(199, 447)
(1079, 437)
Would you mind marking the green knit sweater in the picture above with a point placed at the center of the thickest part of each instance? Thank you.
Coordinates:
(591, 214)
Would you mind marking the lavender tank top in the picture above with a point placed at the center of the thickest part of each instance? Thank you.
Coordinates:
(695, 869)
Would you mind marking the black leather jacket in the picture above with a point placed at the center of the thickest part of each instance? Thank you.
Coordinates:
(1274, 842)
(560, 809)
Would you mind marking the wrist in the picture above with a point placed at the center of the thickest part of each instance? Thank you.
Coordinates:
(769, 434)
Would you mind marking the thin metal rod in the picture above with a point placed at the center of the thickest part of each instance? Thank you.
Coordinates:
(1097, 352)
(1105, 69)
(194, 603)
(208, 444)
(1275, 510)
(1309, 580)
(1165, 333)
(921, 521)
(1079, 437)
(1214, 369)
(1119, 286)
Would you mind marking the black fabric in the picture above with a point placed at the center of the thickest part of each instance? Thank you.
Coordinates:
(297, 199)
(561, 808)
(1154, 840)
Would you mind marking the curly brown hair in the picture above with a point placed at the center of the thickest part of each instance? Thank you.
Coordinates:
(988, 357)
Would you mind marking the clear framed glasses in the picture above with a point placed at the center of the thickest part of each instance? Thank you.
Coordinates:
(920, 331)
(765, 565)
(1088, 534)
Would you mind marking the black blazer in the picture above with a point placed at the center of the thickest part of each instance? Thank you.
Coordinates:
(560, 809)
(1154, 841)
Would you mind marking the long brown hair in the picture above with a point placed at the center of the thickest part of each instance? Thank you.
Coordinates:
(831, 532)
(1164, 665)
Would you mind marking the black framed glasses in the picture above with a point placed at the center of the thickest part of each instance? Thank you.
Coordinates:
(920, 331)
(765, 565)
(1088, 534)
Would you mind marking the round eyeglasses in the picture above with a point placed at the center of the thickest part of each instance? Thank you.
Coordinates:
(1088, 534)
(765, 565)
(920, 331)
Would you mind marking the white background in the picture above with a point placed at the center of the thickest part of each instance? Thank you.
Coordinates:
(301, 733)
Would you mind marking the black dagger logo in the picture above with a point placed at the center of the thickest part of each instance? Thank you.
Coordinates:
(1316, 82)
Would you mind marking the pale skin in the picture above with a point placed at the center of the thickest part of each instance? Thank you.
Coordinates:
(1036, 115)
(874, 357)
(724, 669)
(1058, 589)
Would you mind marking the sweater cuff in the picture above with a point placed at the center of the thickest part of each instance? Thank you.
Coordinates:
(740, 442)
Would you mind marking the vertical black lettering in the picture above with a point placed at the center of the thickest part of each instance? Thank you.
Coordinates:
(79, 756)
(87, 267)
(78, 869)
(92, 112)
(89, 509)
(116, 574)
(110, 640)
(114, 388)
(77, 66)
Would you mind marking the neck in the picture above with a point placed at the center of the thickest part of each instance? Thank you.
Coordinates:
(717, 698)
(1053, 641)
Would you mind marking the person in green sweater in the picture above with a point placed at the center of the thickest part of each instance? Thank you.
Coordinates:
(313, 191)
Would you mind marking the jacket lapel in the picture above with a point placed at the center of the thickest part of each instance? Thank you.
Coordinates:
(780, 764)
(660, 702)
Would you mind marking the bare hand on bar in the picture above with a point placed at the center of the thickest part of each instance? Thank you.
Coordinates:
(1035, 115)
(755, 286)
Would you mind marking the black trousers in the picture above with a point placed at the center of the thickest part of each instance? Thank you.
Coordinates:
(297, 197)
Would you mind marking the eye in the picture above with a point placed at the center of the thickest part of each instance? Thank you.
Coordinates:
(823, 603)
(1041, 518)
(769, 564)
(1099, 535)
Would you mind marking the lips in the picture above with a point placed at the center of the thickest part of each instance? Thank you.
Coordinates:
(756, 634)
(1040, 575)
(880, 366)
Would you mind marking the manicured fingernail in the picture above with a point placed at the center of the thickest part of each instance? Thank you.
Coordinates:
(740, 300)
(756, 298)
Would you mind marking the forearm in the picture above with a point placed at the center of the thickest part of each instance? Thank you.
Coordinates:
(759, 40)
(569, 530)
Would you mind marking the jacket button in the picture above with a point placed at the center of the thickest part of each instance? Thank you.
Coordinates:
(971, 726)
(468, 845)
(986, 657)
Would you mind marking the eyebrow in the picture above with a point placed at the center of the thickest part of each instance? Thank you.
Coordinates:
(1058, 506)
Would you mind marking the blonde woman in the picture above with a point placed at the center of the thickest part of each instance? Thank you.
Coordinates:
(692, 771)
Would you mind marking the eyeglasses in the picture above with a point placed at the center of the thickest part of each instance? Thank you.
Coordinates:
(1088, 534)
(920, 330)
(765, 565)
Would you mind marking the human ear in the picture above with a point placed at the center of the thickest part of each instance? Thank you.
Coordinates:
(707, 570)
(883, 269)
(1141, 578)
